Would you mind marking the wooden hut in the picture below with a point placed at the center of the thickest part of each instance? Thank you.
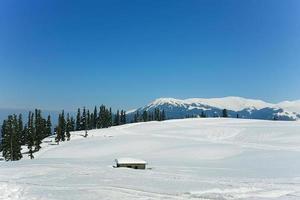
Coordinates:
(131, 163)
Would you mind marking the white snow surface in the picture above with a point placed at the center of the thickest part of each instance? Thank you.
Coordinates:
(187, 159)
(230, 103)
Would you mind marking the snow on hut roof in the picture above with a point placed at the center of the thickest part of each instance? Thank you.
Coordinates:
(130, 161)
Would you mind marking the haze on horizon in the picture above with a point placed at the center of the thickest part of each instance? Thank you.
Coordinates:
(63, 55)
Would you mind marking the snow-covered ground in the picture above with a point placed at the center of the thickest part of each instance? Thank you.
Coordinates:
(188, 159)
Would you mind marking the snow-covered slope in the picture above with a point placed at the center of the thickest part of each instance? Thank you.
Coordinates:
(188, 159)
(244, 108)
(292, 106)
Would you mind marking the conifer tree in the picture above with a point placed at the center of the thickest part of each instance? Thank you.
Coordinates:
(145, 116)
(72, 126)
(68, 127)
(117, 118)
(203, 115)
(48, 126)
(83, 120)
(30, 135)
(11, 139)
(3, 131)
(22, 130)
(225, 113)
(110, 117)
(63, 126)
(95, 117)
(78, 120)
(58, 133)
(107, 118)
(91, 124)
(39, 129)
(123, 117)
(163, 116)
(137, 116)
(88, 120)
(157, 116)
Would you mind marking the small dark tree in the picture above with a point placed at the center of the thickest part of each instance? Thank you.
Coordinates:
(48, 126)
(95, 117)
(30, 135)
(72, 124)
(224, 113)
(68, 127)
(163, 116)
(117, 118)
(145, 116)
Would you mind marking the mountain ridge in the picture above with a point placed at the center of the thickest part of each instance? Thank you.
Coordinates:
(236, 106)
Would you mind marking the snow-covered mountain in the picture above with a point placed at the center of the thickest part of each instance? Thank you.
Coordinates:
(212, 107)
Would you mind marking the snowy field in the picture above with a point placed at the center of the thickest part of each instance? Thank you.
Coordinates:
(188, 159)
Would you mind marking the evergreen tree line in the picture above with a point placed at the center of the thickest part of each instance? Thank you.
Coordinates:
(87, 120)
(224, 114)
(102, 118)
(156, 115)
(16, 134)
(64, 127)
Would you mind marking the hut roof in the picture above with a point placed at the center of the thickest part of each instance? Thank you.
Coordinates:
(130, 161)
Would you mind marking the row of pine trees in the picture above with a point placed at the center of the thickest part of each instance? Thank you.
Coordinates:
(156, 115)
(15, 134)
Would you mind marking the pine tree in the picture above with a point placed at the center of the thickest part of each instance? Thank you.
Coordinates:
(117, 118)
(225, 113)
(88, 120)
(60, 129)
(123, 117)
(63, 126)
(145, 116)
(3, 131)
(72, 126)
(78, 120)
(150, 117)
(157, 114)
(203, 115)
(68, 127)
(95, 117)
(58, 133)
(30, 135)
(21, 130)
(163, 116)
(107, 117)
(83, 120)
(11, 139)
(91, 124)
(38, 129)
(48, 126)
(137, 116)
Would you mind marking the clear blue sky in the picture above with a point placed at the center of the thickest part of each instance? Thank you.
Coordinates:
(63, 54)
